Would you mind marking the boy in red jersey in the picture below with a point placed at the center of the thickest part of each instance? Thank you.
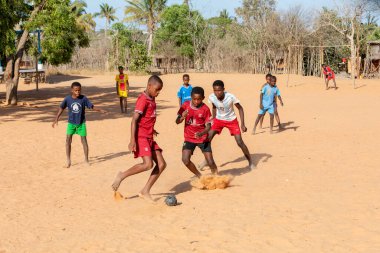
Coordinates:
(329, 74)
(142, 143)
(197, 117)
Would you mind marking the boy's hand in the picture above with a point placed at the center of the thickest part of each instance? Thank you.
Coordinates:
(54, 123)
(282, 104)
(155, 133)
(198, 135)
(243, 128)
(132, 146)
(184, 114)
(261, 107)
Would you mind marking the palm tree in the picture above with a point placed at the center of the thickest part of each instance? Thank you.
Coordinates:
(186, 2)
(145, 12)
(107, 12)
(83, 18)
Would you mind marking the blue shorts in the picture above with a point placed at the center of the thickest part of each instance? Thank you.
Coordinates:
(269, 109)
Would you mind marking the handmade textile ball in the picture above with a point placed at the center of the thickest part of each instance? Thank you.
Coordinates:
(171, 200)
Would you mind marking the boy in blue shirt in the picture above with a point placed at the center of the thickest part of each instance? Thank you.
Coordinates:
(184, 93)
(76, 104)
(267, 99)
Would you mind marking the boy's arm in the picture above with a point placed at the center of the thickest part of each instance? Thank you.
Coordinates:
(279, 97)
(128, 86)
(179, 101)
(60, 111)
(181, 118)
(117, 90)
(213, 111)
(205, 131)
(241, 113)
(98, 110)
(261, 101)
(132, 143)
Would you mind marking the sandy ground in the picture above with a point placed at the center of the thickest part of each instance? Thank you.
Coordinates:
(316, 187)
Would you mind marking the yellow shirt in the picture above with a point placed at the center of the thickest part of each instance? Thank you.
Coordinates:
(122, 85)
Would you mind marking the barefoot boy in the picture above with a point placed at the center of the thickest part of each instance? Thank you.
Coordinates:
(278, 96)
(142, 143)
(224, 116)
(184, 93)
(197, 117)
(122, 89)
(267, 97)
(76, 104)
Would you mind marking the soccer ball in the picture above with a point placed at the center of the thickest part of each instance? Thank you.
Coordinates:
(171, 200)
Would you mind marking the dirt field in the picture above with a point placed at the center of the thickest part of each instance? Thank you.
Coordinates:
(316, 187)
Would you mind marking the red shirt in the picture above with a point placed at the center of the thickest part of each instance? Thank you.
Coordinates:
(146, 106)
(195, 121)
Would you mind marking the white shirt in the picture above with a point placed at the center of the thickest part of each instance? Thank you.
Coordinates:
(225, 108)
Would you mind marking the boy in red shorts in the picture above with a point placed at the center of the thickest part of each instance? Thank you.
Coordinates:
(142, 143)
(197, 117)
(224, 116)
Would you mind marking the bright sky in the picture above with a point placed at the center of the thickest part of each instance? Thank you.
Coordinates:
(208, 8)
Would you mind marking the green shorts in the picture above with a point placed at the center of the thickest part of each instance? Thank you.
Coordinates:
(76, 129)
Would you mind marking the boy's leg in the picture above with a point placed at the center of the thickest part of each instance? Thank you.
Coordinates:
(271, 122)
(186, 155)
(121, 104)
(261, 120)
(69, 139)
(327, 83)
(334, 84)
(277, 118)
(147, 164)
(211, 162)
(257, 122)
(158, 169)
(85, 148)
(125, 104)
(244, 148)
(211, 135)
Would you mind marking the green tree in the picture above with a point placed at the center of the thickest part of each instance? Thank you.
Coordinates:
(84, 19)
(121, 44)
(146, 12)
(107, 12)
(140, 60)
(221, 23)
(61, 34)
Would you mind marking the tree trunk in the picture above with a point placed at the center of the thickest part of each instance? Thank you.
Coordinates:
(11, 75)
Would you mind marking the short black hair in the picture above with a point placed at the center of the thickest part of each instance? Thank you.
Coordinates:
(268, 75)
(198, 90)
(274, 77)
(75, 84)
(218, 83)
(185, 75)
(155, 79)
(120, 67)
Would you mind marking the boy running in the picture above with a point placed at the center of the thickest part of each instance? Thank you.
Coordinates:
(142, 143)
(76, 104)
(224, 116)
(267, 97)
(122, 89)
(328, 74)
(184, 93)
(278, 95)
(197, 117)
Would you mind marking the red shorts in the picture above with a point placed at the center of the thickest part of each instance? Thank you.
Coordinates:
(330, 76)
(145, 147)
(233, 126)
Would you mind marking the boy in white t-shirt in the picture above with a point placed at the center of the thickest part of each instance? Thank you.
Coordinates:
(224, 116)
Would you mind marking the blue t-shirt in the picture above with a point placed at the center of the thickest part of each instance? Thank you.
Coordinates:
(269, 94)
(184, 93)
(76, 108)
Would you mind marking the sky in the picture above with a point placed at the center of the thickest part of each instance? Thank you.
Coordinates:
(208, 8)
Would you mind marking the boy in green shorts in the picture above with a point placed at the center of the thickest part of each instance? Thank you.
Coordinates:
(76, 104)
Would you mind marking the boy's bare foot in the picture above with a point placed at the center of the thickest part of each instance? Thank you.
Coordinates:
(68, 164)
(327, 88)
(87, 162)
(117, 181)
(253, 131)
(271, 131)
(252, 166)
(146, 196)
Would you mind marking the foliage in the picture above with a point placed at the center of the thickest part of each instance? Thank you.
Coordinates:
(140, 61)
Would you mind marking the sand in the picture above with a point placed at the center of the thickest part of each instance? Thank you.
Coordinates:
(316, 187)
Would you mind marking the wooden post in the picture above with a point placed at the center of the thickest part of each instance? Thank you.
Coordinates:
(37, 73)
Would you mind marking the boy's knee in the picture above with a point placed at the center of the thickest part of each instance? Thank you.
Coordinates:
(186, 160)
(148, 165)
